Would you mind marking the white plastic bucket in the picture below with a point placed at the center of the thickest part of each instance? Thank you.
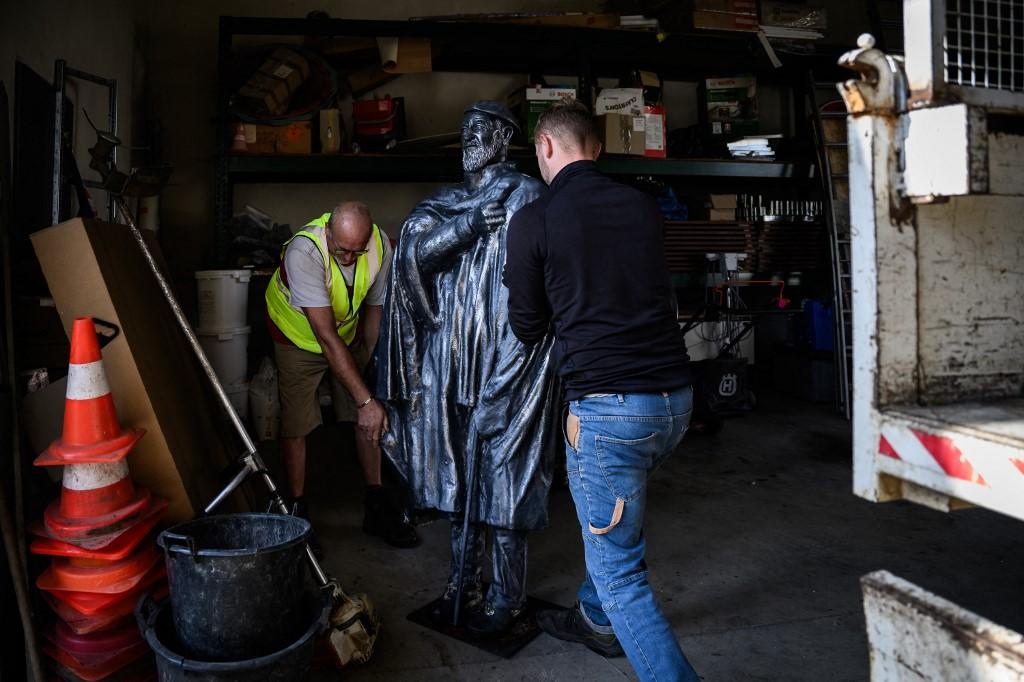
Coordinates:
(238, 394)
(266, 416)
(223, 298)
(228, 352)
(264, 402)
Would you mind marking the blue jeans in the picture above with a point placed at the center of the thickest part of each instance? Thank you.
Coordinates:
(622, 439)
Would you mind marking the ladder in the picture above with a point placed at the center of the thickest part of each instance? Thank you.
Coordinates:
(828, 117)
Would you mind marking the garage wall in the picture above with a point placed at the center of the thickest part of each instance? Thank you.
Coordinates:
(96, 36)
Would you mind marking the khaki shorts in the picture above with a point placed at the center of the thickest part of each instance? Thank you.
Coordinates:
(299, 373)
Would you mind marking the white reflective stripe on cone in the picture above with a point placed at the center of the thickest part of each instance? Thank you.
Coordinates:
(87, 381)
(93, 476)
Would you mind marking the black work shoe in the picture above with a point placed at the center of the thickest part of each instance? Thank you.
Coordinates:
(488, 620)
(569, 625)
(297, 507)
(444, 609)
(380, 518)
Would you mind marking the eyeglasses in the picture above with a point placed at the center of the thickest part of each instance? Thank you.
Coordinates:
(342, 253)
(350, 252)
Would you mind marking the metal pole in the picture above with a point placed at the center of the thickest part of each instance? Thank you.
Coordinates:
(253, 462)
(58, 139)
(112, 118)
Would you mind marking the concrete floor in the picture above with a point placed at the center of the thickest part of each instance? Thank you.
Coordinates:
(756, 545)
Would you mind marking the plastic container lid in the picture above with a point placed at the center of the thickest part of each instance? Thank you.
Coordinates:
(241, 275)
(225, 331)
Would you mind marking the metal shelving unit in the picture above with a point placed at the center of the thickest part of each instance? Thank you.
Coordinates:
(448, 167)
(503, 48)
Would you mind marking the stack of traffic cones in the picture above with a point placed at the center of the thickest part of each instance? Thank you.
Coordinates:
(98, 532)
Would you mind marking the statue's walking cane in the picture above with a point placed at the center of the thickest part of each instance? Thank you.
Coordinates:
(467, 511)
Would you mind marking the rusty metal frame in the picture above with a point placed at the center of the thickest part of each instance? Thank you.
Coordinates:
(924, 30)
(915, 635)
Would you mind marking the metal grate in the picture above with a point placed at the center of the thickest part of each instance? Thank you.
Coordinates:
(984, 44)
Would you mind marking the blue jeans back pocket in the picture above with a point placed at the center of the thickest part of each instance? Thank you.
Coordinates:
(626, 462)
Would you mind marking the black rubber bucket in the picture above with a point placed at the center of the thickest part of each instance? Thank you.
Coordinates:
(239, 584)
(290, 663)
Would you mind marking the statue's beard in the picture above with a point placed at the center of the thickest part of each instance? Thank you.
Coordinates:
(476, 158)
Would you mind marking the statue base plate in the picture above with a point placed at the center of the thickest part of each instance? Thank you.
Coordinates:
(523, 631)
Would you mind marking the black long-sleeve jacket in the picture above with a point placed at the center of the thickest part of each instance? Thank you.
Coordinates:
(588, 257)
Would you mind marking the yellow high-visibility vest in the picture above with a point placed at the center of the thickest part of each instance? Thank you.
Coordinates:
(292, 321)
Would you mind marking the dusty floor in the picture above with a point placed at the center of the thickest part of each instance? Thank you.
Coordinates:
(755, 545)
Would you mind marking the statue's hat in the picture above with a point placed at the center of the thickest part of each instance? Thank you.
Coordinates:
(489, 106)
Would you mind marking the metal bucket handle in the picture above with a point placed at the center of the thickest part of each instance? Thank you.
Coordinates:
(171, 539)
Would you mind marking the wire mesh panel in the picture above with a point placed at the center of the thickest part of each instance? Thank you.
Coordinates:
(984, 44)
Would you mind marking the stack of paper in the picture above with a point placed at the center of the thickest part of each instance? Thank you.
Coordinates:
(756, 147)
(638, 21)
(791, 33)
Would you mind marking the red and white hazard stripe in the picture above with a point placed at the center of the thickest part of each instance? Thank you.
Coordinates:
(95, 489)
(989, 466)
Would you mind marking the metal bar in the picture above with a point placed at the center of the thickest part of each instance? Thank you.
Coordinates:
(112, 120)
(841, 368)
(91, 77)
(58, 139)
(327, 168)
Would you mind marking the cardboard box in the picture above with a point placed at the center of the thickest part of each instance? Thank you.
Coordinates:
(655, 134)
(405, 55)
(270, 89)
(332, 131)
(731, 105)
(532, 101)
(622, 133)
(96, 269)
(620, 101)
(723, 214)
(726, 21)
(730, 6)
(294, 138)
(725, 201)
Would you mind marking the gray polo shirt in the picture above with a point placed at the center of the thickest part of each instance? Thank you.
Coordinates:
(304, 267)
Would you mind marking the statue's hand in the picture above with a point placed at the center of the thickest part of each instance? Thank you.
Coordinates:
(489, 217)
(492, 214)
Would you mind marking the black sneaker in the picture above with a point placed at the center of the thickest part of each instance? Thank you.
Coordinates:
(488, 620)
(444, 609)
(297, 507)
(569, 625)
(382, 519)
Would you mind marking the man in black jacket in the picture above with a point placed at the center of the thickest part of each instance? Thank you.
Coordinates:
(587, 258)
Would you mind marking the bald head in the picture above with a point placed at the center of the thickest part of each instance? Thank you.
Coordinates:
(349, 230)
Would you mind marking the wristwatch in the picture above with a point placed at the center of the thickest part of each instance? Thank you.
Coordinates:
(365, 403)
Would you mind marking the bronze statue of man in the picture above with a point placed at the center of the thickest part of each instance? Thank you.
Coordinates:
(463, 394)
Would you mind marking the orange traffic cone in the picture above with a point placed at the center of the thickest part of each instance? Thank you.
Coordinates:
(96, 575)
(91, 434)
(120, 545)
(97, 498)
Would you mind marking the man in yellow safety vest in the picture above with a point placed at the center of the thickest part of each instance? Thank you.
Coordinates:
(323, 312)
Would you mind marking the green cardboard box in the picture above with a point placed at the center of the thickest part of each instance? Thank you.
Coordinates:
(533, 100)
(731, 106)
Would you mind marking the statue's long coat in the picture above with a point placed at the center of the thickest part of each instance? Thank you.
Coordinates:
(452, 372)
